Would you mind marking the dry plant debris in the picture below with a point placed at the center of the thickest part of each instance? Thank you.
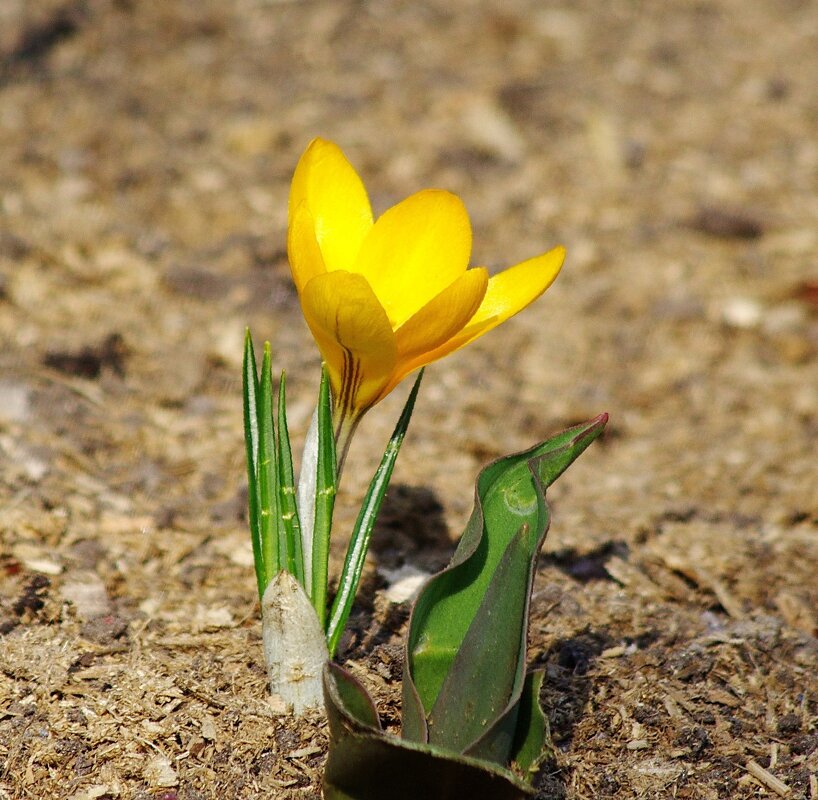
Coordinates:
(146, 158)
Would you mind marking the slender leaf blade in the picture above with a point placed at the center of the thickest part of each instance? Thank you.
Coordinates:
(306, 497)
(325, 488)
(267, 472)
(251, 440)
(365, 523)
(287, 506)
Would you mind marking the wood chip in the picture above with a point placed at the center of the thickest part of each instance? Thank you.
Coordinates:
(768, 779)
(159, 773)
(723, 698)
(671, 708)
(638, 744)
(706, 580)
(209, 730)
(304, 752)
(629, 575)
(679, 698)
(725, 598)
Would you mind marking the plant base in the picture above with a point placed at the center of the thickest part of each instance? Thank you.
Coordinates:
(295, 649)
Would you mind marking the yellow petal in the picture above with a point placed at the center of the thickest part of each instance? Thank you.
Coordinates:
(442, 317)
(508, 292)
(306, 260)
(415, 250)
(337, 200)
(354, 336)
(514, 288)
(419, 338)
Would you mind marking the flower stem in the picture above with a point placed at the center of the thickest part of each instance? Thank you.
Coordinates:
(344, 431)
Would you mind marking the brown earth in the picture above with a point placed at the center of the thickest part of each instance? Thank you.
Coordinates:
(145, 154)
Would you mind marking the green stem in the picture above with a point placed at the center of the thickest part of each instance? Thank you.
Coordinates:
(344, 432)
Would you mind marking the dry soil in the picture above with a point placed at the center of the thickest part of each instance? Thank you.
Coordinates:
(145, 154)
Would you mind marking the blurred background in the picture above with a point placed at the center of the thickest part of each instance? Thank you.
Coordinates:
(146, 149)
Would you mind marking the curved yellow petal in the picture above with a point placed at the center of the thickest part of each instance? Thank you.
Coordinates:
(306, 260)
(441, 318)
(508, 292)
(514, 288)
(415, 250)
(436, 323)
(337, 200)
(354, 336)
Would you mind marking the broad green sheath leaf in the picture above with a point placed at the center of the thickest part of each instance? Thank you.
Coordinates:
(362, 532)
(287, 506)
(524, 727)
(366, 764)
(465, 654)
(351, 704)
(531, 740)
(470, 714)
(325, 488)
(251, 440)
(494, 645)
(268, 474)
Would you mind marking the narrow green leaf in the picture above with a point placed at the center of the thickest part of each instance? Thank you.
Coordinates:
(267, 473)
(251, 440)
(325, 488)
(362, 532)
(287, 505)
(305, 497)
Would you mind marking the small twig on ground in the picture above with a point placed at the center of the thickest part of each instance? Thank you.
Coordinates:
(768, 779)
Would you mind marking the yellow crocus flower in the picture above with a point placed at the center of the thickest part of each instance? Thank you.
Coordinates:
(384, 298)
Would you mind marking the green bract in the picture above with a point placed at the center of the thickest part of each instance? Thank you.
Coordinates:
(472, 722)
